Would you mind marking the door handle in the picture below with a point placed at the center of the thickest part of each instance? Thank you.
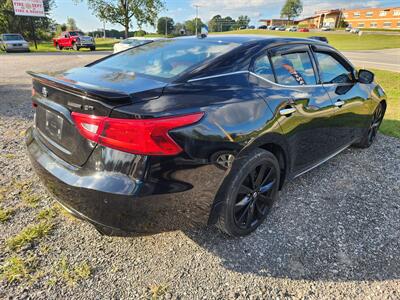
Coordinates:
(339, 103)
(287, 111)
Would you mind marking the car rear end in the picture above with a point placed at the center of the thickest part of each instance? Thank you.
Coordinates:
(115, 166)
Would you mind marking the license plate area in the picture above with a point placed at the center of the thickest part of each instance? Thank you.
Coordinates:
(54, 125)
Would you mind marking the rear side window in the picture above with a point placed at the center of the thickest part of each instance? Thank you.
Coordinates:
(331, 70)
(294, 69)
(262, 67)
(167, 58)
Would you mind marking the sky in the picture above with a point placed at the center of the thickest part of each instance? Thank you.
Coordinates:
(181, 10)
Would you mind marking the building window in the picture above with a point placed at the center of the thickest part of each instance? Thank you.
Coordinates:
(361, 25)
(356, 14)
(383, 13)
(387, 24)
(369, 13)
(398, 24)
(396, 13)
(374, 25)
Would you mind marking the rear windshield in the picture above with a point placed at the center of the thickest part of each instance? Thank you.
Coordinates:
(12, 37)
(133, 42)
(167, 58)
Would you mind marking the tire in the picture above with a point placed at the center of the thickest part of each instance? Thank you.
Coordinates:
(93, 48)
(251, 189)
(75, 47)
(58, 47)
(370, 134)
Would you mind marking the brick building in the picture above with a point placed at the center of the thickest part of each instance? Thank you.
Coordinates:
(382, 18)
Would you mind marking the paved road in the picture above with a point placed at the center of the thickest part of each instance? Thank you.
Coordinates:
(388, 59)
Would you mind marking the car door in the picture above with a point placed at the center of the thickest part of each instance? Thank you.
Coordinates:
(349, 96)
(288, 81)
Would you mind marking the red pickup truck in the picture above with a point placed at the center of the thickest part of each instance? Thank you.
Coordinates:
(74, 40)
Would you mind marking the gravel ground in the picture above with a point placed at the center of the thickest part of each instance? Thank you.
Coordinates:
(334, 233)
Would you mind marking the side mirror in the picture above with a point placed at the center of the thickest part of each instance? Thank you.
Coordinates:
(365, 76)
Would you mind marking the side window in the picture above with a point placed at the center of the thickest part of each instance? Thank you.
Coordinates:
(331, 70)
(294, 68)
(263, 68)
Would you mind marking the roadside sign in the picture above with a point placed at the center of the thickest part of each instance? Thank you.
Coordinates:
(33, 8)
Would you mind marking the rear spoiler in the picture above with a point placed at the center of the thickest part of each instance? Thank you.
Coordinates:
(80, 88)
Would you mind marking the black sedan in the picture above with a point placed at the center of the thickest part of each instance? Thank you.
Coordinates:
(184, 132)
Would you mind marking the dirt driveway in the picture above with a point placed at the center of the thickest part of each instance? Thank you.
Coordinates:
(334, 233)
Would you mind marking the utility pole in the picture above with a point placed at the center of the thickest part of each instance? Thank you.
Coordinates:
(197, 15)
(104, 29)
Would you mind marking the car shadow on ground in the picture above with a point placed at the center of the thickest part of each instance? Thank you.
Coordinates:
(325, 226)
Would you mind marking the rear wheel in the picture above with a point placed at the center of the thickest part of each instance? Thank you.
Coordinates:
(370, 134)
(251, 191)
(58, 47)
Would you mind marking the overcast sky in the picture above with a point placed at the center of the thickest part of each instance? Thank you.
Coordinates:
(181, 10)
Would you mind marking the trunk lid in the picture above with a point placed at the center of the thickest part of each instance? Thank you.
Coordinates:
(84, 91)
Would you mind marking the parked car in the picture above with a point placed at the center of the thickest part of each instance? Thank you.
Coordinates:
(272, 27)
(326, 28)
(252, 27)
(280, 28)
(262, 27)
(348, 29)
(10, 42)
(319, 38)
(74, 40)
(303, 30)
(187, 131)
(291, 28)
(355, 30)
(132, 42)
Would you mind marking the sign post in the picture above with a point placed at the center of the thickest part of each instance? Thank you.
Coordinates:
(30, 8)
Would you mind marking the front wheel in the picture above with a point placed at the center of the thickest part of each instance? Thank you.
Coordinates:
(369, 136)
(93, 48)
(251, 190)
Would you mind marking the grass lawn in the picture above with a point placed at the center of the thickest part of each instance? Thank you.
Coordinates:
(341, 41)
(101, 44)
(390, 81)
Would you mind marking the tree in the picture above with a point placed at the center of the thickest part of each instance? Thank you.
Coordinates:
(214, 23)
(243, 21)
(71, 24)
(292, 9)
(190, 25)
(9, 22)
(124, 11)
(165, 25)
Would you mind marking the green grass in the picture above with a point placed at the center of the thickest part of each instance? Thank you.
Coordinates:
(341, 41)
(5, 214)
(390, 81)
(29, 235)
(101, 45)
(15, 268)
(71, 274)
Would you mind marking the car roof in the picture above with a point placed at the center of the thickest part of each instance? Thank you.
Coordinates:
(248, 38)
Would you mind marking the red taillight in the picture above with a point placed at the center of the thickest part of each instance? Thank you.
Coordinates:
(139, 136)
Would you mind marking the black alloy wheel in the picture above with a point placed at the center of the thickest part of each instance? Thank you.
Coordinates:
(249, 192)
(375, 123)
(255, 196)
(370, 134)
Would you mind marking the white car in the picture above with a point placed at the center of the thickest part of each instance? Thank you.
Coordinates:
(355, 30)
(132, 42)
(292, 28)
(13, 42)
(326, 28)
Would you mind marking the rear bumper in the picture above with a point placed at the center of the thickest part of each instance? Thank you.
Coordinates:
(169, 196)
